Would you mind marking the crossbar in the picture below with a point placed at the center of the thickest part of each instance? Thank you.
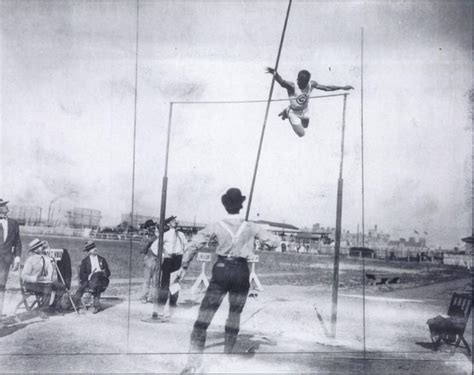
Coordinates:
(254, 101)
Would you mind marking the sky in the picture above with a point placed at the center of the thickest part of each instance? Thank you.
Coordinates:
(68, 110)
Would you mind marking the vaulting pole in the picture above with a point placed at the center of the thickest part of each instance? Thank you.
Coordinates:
(164, 189)
(337, 245)
(266, 112)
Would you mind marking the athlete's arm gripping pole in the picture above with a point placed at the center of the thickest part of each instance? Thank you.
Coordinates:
(266, 111)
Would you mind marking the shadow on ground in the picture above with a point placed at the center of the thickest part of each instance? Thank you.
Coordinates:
(246, 343)
(444, 348)
(105, 303)
(188, 304)
(12, 326)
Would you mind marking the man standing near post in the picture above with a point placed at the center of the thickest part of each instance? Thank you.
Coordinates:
(149, 249)
(10, 249)
(235, 245)
(173, 249)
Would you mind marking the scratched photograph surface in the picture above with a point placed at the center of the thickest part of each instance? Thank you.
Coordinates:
(236, 187)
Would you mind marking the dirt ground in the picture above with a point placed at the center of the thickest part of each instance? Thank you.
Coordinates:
(281, 323)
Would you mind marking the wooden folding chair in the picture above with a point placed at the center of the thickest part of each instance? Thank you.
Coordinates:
(450, 330)
(29, 300)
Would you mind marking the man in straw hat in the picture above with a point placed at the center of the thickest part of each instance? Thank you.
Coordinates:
(39, 276)
(235, 245)
(94, 275)
(10, 249)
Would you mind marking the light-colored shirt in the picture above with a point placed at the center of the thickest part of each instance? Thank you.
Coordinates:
(38, 265)
(154, 247)
(173, 243)
(94, 263)
(4, 224)
(242, 245)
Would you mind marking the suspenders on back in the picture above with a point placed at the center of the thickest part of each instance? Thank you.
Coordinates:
(235, 236)
(43, 272)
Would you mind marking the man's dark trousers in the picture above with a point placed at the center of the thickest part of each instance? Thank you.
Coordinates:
(96, 285)
(229, 275)
(170, 265)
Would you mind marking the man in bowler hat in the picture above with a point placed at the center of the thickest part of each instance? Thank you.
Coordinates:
(10, 249)
(94, 275)
(230, 274)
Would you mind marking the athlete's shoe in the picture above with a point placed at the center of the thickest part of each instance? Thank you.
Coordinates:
(284, 114)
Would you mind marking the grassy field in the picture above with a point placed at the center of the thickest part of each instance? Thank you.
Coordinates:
(274, 268)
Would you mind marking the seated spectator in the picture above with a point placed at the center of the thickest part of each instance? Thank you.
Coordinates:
(94, 276)
(39, 277)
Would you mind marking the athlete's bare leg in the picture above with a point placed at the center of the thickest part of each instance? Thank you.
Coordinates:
(296, 124)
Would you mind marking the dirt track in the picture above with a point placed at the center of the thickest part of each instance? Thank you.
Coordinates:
(281, 323)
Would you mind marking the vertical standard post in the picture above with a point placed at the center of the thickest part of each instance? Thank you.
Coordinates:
(362, 181)
(164, 190)
(337, 245)
(266, 112)
(135, 106)
(357, 235)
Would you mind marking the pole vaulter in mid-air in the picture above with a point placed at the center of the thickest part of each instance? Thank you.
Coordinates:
(297, 112)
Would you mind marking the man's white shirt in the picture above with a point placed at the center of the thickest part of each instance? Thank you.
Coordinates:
(94, 263)
(174, 242)
(154, 247)
(4, 224)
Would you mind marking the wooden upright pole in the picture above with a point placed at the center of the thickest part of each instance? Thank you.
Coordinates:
(337, 245)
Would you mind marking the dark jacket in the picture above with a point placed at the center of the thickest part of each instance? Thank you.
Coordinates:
(12, 246)
(146, 242)
(86, 268)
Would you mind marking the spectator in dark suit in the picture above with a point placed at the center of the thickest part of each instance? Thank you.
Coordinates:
(10, 249)
(94, 275)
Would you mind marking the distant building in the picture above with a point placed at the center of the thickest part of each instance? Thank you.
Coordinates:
(361, 252)
(83, 218)
(136, 220)
(281, 229)
(322, 234)
(26, 215)
(188, 227)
